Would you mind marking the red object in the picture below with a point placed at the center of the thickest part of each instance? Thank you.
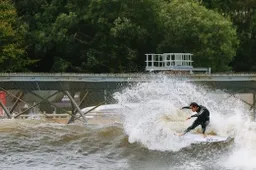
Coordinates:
(3, 100)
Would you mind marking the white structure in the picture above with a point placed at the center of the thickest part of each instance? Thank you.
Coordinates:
(172, 62)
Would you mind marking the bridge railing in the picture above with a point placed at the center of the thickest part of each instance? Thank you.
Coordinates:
(172, 62)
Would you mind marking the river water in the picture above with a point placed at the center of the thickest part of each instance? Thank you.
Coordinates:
(144, 139)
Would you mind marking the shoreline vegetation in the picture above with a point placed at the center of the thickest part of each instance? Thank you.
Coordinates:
(113, 36)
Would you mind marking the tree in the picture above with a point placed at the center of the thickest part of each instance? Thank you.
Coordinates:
(124, 31)
(12, 53)
(89, 35)
(242, 14)
(190, 27)
(46, 38)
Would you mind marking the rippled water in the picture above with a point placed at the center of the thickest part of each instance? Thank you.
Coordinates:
(40, 145)
(142, 140)
(34, 144)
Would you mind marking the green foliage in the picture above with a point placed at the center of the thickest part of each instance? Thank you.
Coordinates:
(241, 13)
(89, 35)
(123, 33)
(47, 38)
(190, 27)
(113, 35)
(12, 56)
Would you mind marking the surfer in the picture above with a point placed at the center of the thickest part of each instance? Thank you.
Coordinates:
(203, 117)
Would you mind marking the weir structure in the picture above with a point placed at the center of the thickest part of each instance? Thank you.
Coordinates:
(57, 94)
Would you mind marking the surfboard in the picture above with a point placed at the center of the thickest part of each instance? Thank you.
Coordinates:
(198, 138)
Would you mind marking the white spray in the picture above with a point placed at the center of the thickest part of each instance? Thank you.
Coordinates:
(157, 116)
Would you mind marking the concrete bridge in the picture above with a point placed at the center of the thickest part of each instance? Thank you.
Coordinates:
(36, 89)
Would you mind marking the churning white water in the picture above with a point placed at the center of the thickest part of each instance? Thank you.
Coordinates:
(158, 116)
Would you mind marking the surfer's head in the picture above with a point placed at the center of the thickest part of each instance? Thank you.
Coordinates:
(194, 106)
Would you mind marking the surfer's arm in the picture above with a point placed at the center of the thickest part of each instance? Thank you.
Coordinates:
(195, 115)
(185, 107)
(188, 117)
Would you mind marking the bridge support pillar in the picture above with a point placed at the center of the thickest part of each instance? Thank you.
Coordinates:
(254, 107)
(6, 110)
(18, 98)
(75, 104)
(74, 111)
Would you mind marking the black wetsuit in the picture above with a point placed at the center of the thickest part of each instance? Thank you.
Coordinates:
(203, 118)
